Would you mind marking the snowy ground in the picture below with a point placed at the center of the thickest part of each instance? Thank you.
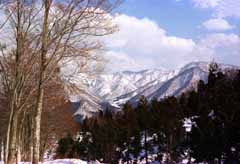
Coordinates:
(78, 161)
(63, 161)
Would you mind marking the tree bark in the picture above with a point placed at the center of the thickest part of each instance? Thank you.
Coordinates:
(11, 144)
(37, 127)
(39, 106)
(12, 152)
(4, 151)
(9, 127)
(19, 153)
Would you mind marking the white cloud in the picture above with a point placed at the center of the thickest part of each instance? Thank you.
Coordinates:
(142, 44)
(221, 8)
(221, 47)
(206, 3)
(228, 8)
(218, 40)
(217, 25)
(146, 44)
(121, 61)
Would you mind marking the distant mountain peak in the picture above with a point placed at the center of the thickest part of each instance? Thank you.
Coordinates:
(117, 88)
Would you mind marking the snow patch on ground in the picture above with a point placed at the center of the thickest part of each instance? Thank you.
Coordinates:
(63, 161)
(66, 161)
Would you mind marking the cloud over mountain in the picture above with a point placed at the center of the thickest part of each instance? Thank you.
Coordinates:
(143, 44)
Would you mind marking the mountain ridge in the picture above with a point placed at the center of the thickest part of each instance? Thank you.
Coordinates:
(113, 90)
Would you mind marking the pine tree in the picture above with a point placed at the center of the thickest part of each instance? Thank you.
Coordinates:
(131, 132)
(65, 146)
(144, 119)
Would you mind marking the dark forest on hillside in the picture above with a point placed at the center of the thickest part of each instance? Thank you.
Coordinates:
(155, 130)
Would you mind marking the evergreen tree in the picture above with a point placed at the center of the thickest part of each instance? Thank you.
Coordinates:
(144, 121)
(65, 146)
(131, 130)
(157, 127)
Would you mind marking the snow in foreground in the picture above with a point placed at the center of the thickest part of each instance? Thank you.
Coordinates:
(63, 161)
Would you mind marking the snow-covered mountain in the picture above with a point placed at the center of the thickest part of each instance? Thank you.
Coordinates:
(113, 90)
(111, 86)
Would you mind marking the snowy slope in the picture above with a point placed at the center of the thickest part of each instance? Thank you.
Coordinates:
(113, 90)
(110, 86)
(186, 78)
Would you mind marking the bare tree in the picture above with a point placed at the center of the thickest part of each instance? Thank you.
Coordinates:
(45, 36)
(82, 21)
(14, 72)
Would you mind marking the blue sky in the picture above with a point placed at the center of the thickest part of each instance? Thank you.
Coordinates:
(181, 18)
(170, 33)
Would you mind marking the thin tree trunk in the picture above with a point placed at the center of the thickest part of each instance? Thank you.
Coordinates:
(37, 127)
(21, 136)
(8, 135)
(11, 142)
(19, 153)
(4, 151)
(39, 107)
(12, 153)
(11, 145)
(43, 145)
(30, 155)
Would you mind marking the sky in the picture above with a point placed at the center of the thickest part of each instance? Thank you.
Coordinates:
(167, 34)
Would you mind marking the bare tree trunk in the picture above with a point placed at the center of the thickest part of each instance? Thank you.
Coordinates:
(37, 127)
(30, 157)
(4, 151)
(8, 135)
(13, 120)
(59, 40)
(39, 107)
(30, 154)
(21, 136)
(43, 146)
(12, 152)
(19, 152)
